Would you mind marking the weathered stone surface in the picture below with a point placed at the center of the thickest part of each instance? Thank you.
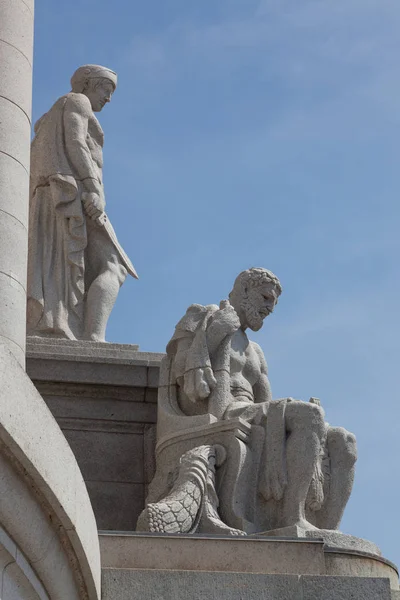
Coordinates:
(332, 539)
(77, 362)
(49, 347)
(76, 265)
(345, 588)
(106, 419)
(208, 553)
(48, 538)
(17, 577)
(154, 377)
(149, 444)
(135, 584)
(84, 362)
(40, 479)
(100, 403)
(119, 584)
(17, 30)
(281, 466)
(92, 372)
(16, 78)
(245, 554)
(11, 230)
(151, 396)
(337, 539)
(16, 45)
(14, 132)
(353, 563)
(14, 181)
(12, 301)
(108, 456)
(116, 505)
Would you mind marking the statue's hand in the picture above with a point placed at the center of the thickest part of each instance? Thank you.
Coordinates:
(198, 383)
(93, 204)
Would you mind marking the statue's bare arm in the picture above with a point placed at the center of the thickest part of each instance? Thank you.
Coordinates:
(262, 389)
(76, 118)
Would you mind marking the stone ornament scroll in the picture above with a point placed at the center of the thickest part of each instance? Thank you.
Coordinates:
(75, 264)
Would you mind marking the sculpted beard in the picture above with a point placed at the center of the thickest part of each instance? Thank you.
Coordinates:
(253, 317)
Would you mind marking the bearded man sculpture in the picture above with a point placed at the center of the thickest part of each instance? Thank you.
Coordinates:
(229, 458)
(76, 265)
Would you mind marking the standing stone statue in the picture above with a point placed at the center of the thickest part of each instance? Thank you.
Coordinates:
(230, 459)
(76, 265)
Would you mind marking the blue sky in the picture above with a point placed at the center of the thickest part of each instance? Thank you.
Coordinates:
(259, 133)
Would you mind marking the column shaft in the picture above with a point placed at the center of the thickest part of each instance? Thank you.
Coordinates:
(16, 49)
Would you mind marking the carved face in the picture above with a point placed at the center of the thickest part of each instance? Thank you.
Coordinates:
(260, 302)
(99, 93)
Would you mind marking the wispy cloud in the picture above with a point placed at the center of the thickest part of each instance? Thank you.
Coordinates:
(338, 57)
(280, 35)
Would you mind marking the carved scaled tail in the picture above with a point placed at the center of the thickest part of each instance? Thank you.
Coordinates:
(192, 498)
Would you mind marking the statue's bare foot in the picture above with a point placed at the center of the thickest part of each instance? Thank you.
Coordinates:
(306, 525)
(210, 523)
(95, 338)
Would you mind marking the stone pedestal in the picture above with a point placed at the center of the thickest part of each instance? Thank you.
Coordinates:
(123, 584)
(104, 397)
(154, 567)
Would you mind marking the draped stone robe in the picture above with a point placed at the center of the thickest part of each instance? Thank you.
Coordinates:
(190, 356)
(66, 150)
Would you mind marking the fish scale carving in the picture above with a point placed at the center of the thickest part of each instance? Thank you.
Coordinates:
(180, 511)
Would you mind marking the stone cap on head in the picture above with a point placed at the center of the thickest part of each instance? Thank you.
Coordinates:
(86, 72)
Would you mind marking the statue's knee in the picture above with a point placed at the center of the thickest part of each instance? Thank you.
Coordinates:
(122, 274)
(119, 271)
(342, 444)
(309, 417)
(317, 419)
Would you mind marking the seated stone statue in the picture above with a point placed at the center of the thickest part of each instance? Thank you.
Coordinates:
(230, 459)
(75, 263)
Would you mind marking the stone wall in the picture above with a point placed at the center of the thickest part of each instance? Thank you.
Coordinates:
(104, 398)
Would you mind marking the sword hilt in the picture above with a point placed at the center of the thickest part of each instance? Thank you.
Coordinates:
(101, 220)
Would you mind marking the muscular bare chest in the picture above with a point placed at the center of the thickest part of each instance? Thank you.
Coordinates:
(95, 141)
(245, 362)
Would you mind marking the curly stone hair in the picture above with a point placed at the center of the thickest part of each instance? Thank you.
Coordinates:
(254, 277)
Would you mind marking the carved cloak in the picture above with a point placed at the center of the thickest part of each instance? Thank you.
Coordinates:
(57, 233)
(195, 356)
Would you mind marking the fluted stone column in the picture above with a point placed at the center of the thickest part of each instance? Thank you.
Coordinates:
(48, 535)
(16, 46)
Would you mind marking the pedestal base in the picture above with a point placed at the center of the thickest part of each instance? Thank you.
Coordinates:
(124, 584)
(167, 566)
(104, 397)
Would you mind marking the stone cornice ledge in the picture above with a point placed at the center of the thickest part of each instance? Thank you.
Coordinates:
(43, 467)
